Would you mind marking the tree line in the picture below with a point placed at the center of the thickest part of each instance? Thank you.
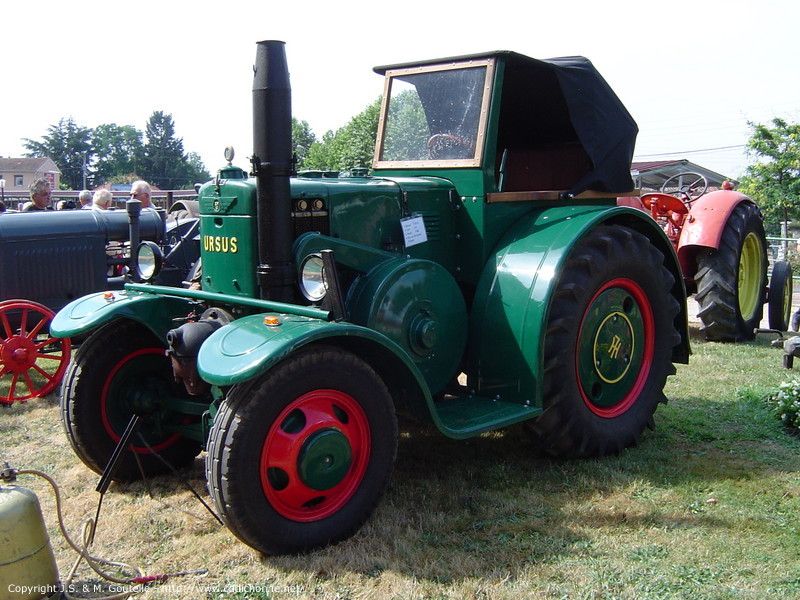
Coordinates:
(348, 147)
(110, 153)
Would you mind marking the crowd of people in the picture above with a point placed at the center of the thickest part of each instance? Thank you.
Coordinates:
(41, 198)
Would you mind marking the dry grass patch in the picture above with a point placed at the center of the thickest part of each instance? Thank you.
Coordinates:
(706, 507)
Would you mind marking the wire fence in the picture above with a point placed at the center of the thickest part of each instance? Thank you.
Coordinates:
(784, 248)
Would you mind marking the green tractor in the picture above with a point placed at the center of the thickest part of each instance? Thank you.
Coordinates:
(480, 276)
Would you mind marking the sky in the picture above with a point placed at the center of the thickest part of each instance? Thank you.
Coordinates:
(692, 73)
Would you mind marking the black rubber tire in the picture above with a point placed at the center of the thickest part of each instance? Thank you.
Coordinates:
(82, 400)
(780, 290)
(245, 425)
(570, 426)
(717, 279)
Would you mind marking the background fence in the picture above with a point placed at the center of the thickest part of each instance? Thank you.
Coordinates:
(160, 198)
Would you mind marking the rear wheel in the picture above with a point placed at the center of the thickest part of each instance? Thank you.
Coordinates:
(608, 345)
(779, 306)
(299, 458)
(119, 371)
(732, 280)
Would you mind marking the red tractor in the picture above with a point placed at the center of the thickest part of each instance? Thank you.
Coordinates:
(721, 246)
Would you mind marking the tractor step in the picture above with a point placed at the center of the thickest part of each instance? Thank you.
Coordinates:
(469, 415)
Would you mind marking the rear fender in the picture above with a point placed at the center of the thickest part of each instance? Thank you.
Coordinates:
(154, 311)
(707, 218)
(511, 308)
(248, 347)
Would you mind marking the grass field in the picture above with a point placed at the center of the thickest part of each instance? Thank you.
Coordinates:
(706, 507)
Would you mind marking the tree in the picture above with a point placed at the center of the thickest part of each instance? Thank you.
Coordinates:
(407, 130)
(196, 171)
(164, 162)
(119, 151)
(320, 154)
(302, 140)
(350, 146)
(774, 181)
(70, 147)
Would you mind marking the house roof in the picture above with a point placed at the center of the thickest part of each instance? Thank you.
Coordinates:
(653, 174)
(28, 165)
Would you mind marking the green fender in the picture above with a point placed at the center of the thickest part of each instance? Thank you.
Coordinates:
(512, 301)
(248, 347)
(90, 312)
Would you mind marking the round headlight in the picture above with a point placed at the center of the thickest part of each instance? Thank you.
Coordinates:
(148, 261)
(312, 278)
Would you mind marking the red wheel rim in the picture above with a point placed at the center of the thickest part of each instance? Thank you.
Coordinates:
(121, 398)
(610, 387)
(26, 350)
(315, 455)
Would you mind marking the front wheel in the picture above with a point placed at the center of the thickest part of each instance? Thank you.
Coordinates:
(299, 458)
(119, 371)
(608, 345)
(732, 280)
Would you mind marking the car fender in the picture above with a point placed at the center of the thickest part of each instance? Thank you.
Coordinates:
(509, 315)
(154, 311)
(707, 218)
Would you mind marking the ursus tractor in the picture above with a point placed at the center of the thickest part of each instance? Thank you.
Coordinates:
(480, 276)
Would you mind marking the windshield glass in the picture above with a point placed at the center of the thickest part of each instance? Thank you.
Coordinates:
(434, 115)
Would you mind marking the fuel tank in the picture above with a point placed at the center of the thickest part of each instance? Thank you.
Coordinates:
(28, 568)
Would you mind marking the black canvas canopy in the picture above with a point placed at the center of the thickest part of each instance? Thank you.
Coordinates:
(605, 128)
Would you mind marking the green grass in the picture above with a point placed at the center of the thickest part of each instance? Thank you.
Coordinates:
(705, 508)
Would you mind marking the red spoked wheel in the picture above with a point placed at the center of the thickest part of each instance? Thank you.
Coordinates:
(32, 362)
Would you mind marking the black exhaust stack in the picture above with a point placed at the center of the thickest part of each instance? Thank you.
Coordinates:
(272, 166)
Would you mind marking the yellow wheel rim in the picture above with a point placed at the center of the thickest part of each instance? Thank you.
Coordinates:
(787, 301)
(750, 269)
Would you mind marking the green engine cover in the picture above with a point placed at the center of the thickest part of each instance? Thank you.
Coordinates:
(418, 305)
(229, 245)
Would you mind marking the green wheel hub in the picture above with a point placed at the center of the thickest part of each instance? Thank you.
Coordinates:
(615, 347)
(324, 460)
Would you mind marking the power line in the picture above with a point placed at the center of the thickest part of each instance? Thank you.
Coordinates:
(692, 151)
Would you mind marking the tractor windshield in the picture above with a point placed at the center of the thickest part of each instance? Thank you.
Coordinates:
(434, 115)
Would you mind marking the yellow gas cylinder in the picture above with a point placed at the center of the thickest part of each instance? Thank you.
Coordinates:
(28, 568)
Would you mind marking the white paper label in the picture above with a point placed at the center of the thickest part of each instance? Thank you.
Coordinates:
(413, 230)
